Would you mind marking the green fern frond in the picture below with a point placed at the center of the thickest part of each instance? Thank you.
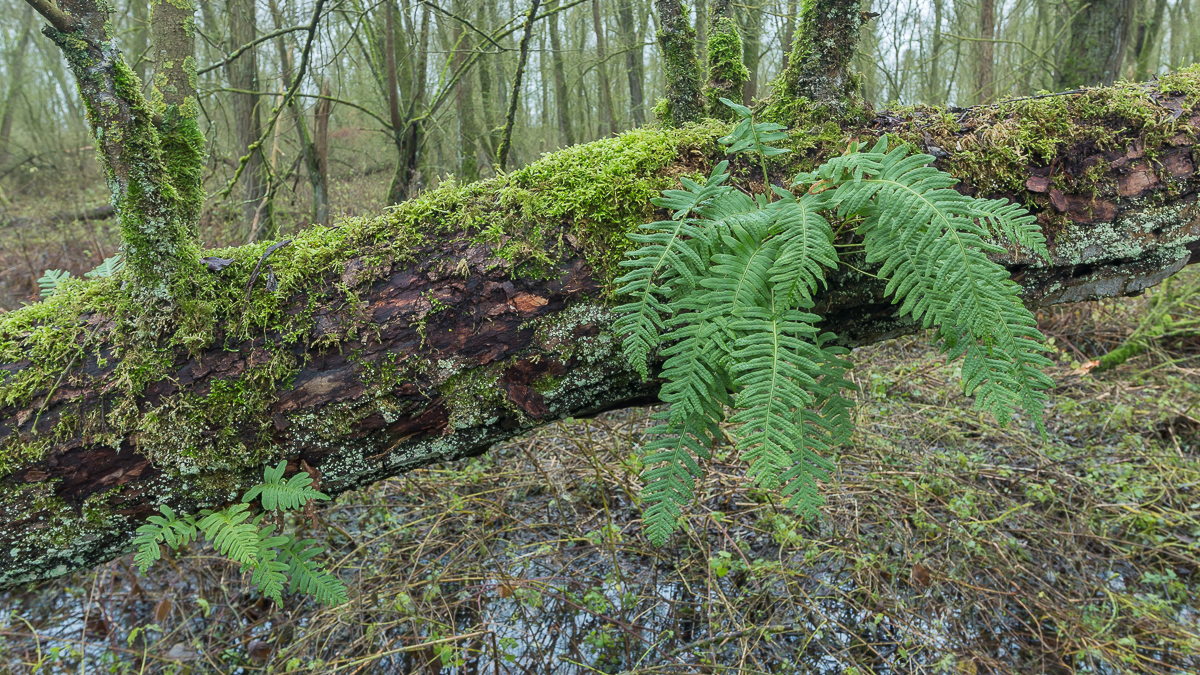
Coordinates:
(308, 577)
(673, 253)
(50, 281)
(280, 494)
(670, 483)
(229, 533)
(750, 136)
(932, 243)
(268, 573)
(776, 366)
(109, 267)
(167, 529)
(807, 245)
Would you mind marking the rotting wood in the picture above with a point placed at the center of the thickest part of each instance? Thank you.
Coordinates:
(524, 350)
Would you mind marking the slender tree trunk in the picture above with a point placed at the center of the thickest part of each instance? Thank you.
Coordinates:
(634, 62)
(789, 31)
(464, 100)
(608, 117)
(1095, 50)
(515, 99)
(985, 80)
(242, 74)
(562, 103)
(702, 19)
(1147, 52)
(16, 76)
(677, 40)
(750, 18)
(934, 86)
(320, 180)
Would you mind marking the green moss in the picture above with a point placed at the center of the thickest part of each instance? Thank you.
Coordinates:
(726, 72)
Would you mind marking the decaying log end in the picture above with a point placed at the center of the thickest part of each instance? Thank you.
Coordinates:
(475, 313)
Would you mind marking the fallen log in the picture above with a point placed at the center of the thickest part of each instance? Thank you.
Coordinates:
(474, 313)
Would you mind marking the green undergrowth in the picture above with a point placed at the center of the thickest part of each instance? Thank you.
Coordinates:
(584, 197)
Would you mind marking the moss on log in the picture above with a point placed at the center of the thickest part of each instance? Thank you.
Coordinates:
(473, 313)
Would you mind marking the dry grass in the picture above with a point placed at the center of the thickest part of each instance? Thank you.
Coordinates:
(948, 545)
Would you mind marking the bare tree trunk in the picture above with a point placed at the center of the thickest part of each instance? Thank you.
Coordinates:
(608, 117)
(242, 74)
(1148, 42)
(634, 62)
(320, 180)
(789, 30)
(561, 96)
(16, 75)
(985, 89)
(464, 99)
(1099, 39)
(750, 20)
(141, 36)
(515, 99)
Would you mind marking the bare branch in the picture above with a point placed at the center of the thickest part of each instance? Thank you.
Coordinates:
(57, 18)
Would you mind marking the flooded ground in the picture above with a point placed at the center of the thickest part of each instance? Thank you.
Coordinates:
(948, 545)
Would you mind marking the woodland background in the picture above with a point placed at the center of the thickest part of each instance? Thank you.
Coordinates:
(517, 561)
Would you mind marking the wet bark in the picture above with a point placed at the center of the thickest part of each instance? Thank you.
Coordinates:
(480, 352)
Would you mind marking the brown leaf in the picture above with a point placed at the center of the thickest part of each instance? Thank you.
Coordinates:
(920, 576)
(259, 650)
(162, 610)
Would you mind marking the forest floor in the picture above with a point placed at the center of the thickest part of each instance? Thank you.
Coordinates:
(948, 545)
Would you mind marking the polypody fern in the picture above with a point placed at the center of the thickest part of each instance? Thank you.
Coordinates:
(251, 542)
(723, 291)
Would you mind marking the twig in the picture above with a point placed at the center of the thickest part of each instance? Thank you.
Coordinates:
(254, 274)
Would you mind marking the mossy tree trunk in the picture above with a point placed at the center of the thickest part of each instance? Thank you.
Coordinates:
(726, 71)
(151, 151)
(471, 313)
(474, 313)
(819, 66)
(677, 40)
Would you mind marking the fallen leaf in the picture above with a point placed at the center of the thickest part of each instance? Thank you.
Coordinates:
(162, 610)
(920, 576)
(259, 650)
(181, 652)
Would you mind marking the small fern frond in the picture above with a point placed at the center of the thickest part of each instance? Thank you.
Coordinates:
(109, 267)
(750, 136)
(288, 495)
(167, 529)
(50, 281)
(308, 577)
(268, 573)
(230, 534)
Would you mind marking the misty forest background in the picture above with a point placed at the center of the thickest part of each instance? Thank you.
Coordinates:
(949, 545)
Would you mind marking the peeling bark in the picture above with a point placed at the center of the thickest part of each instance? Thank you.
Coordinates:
(405, 364)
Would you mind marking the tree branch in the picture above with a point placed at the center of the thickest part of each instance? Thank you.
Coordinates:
(57, 18)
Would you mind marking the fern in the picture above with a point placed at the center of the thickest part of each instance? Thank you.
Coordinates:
(277, 493)
(724, 291)
(50, 281)
(108, 268)
(308, 577)
(251, 543)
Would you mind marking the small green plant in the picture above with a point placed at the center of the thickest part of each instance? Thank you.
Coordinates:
(250, 541)
(722, 291)
(50, 281)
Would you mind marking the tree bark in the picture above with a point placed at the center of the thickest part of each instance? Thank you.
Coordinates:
(242, 74)
(1100, 36)
(561, 97)
(608, 114)
(985, 88)
(677, 40)
(510, 118)
(403, 341)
